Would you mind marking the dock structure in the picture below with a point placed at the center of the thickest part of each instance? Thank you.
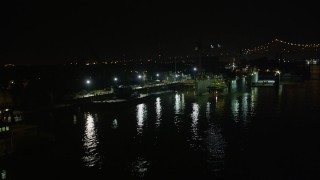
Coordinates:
(263, 84)
(218, 85)
(258, 80)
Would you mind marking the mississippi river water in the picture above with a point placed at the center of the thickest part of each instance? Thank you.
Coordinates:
(247, 133)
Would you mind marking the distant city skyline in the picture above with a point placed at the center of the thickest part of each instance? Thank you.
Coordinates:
(52, 33)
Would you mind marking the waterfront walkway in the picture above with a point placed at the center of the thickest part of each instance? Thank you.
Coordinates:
(189, 83)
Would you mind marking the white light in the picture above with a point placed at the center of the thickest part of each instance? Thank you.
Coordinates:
(88, 81)
(195, 69)
(139, 76)
(157, 75)
(115, 79)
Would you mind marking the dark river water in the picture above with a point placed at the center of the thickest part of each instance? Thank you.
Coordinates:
(247, 133)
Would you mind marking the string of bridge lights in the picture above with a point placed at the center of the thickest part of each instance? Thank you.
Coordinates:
(265, 47)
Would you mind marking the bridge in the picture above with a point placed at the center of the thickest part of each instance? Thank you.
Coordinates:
(283, 51)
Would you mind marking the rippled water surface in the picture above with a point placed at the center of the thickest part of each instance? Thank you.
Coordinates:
(252, 133)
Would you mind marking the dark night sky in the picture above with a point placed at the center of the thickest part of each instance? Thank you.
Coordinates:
(50, 32)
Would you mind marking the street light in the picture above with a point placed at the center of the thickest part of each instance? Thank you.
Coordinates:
(195, 70)
(157, 76)
(115, 79)
(277, 72)
(88, 82)
(140, 78)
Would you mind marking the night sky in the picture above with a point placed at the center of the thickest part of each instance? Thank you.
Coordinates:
(52, 32)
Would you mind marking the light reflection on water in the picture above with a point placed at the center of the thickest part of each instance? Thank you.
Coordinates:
(233, 86)
(224, 143)
(195, 118)
(254, 93)
(235, 108)
(179, 104)
(90, 142)
(158, 111)
(219, 105)
(209, 140)
(208, 110)
(141, 117)
(139, 167)
(215, 144)
(74, 119)
(179, 107)
(3, 174)
(115, 124)
(243, 103)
